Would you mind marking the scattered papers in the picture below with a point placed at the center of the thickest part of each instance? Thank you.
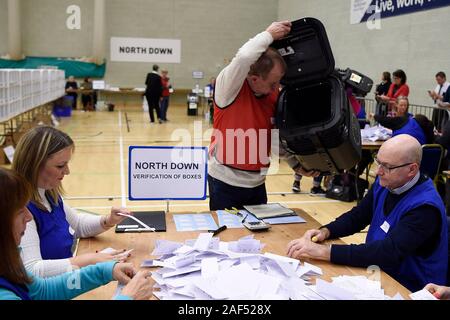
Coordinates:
(194, 222)
(422, 295)
(207, 268)
(375, 133)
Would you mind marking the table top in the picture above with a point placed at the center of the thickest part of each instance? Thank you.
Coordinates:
(371, 145)
(275, 240)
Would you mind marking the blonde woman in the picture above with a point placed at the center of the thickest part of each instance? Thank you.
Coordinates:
(42, 156)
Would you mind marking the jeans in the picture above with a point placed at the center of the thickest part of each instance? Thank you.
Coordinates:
(164, 105)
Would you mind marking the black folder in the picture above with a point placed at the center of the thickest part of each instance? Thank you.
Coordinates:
(154, 219)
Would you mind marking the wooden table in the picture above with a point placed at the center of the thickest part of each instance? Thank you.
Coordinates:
(276, 240)
(371, 145)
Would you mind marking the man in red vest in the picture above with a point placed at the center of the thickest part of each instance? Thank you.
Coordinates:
(245, 96)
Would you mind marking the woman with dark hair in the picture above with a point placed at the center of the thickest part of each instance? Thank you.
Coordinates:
(382, 89)
(17, 284)
(398, 88)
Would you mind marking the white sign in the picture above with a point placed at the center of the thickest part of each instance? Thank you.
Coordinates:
(197, 74)
(9, 151)
(145, 50)
(167, 173)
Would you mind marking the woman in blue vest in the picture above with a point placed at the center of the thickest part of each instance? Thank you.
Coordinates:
(42, 156)
(403, 122)
(17, 284)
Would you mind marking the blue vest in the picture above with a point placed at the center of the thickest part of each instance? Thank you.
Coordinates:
(55, 238)
(19, 289)
(412, 128)
(414, 272)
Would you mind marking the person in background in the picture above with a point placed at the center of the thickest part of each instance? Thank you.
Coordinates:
(403, 122)
(42, 156)
(398, 88)
(164, 103)
(440, 116)
(408, 231)
(87, 98)
(17, 284)
(71, 87)
(382, 89)
(211, 86)
(245, 96)
(153, 93)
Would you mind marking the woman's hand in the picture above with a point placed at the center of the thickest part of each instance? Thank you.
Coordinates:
(123, 272)
(114, 218)
(139, 287)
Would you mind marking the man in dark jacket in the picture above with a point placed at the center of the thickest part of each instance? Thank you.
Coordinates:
(153, 93)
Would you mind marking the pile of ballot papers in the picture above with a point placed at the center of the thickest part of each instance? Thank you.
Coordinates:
(207, 268)
(375, 133)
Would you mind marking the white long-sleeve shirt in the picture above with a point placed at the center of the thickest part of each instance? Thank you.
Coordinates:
(81, 226)
(228, 84)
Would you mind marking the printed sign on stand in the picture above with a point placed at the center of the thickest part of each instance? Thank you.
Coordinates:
(167, 173)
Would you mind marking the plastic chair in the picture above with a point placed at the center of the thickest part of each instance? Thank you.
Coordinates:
(432, 155)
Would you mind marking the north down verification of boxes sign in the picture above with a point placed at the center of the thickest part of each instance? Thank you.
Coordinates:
(166, 166)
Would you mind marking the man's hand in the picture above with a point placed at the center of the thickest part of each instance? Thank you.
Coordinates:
(279, 29)
(305, 248)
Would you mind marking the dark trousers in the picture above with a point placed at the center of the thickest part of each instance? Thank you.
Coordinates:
(222, 195)
(153, 104)
(75, 97)
(439, 118)
(164, 105)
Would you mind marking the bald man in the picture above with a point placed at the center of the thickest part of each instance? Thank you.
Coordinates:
(407, 237)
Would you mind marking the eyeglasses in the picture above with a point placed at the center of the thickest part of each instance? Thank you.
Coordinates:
(387, 168)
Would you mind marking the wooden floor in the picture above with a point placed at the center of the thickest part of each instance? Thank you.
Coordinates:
(98, 177)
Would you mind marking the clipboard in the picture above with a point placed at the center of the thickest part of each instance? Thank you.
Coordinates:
(154, 219)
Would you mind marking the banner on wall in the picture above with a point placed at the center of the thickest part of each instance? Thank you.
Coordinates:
(145, 50)
(363, 10)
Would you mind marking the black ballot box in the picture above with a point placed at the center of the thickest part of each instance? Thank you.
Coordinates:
(192, 104)
(314, 116)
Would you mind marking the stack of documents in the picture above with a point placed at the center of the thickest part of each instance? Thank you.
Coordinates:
(270, 210)
(207, 268)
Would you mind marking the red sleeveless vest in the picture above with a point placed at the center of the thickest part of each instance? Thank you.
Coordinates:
(241, 137)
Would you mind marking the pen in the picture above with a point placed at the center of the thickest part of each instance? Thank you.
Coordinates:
(222, 228)
(137, 220)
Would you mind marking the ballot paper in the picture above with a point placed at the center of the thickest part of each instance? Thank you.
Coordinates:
(194, 222)
(422, 295)
(122, 255)
(207, 268)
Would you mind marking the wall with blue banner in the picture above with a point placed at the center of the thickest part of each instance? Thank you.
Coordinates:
(363, 10)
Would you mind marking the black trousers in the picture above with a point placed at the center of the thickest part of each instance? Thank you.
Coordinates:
(222, 195)
(153, 104)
